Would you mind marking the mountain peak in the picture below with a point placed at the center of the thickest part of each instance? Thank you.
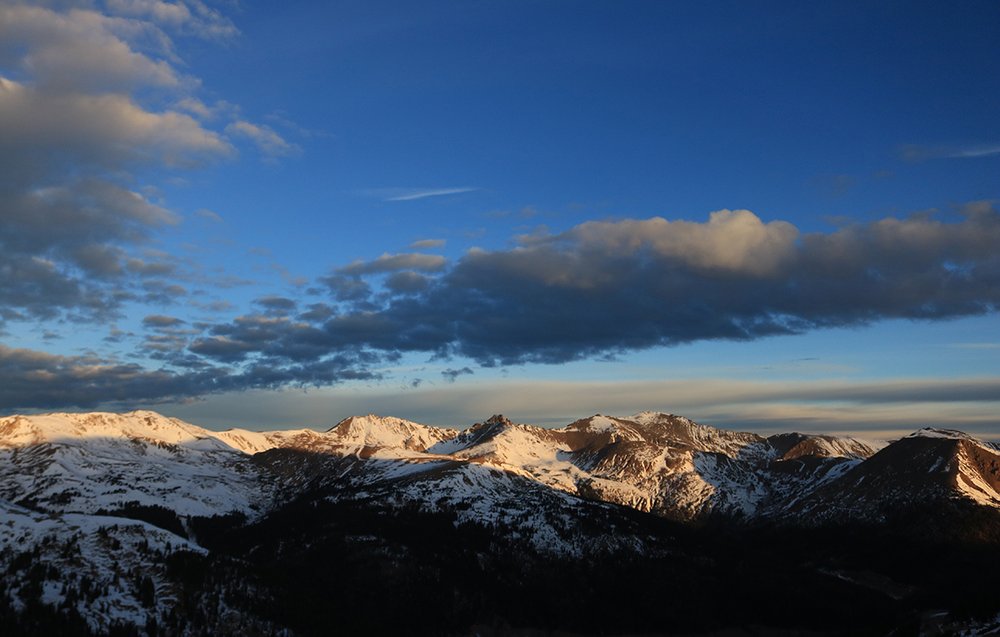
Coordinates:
(644, 417)
(498, 419)
(932, 432)
(387, 431)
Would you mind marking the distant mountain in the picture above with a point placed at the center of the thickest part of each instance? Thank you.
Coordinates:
(104, 513)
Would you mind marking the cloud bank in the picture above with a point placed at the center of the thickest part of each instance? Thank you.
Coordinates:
(595, 290)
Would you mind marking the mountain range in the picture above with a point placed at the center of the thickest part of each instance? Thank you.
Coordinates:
(140, 523)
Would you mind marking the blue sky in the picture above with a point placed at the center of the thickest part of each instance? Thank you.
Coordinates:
(779, 216)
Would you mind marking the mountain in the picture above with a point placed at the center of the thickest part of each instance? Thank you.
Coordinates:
(131, 521)
(933, 478)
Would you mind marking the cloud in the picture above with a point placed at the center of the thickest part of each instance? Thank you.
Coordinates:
(407, 282)
(193, 16)
(600, 289)
(976, 151)
(428, 244)
(30, 379)
(395, 262)
(423, 193)
(159, 321)
(977, 346)
(916, 152)
(269, 142)
(81, 113)
(276, 305)
(451, 374)
(604, 288)
(209, 215)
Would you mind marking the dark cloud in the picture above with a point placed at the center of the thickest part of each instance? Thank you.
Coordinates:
(160, 292)
(159, 321)
(407, 282)
(451, 374)
(276, 305)
(31, 379)
(609, 287)
(599, 289)
(347, 288)
(317, 313)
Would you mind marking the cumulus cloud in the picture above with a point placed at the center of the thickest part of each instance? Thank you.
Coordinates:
(611, 287)
(596, 290)
(160, 321)
(30, 379)
(276, 305)
(407, 282)
(80, 116)
(731, 240)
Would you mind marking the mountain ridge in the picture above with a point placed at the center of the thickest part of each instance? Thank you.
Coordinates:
(596, 487)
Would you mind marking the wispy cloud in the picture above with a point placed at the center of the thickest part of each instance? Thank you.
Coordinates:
(982, 346)
(918, 152)
(977, 151)
(426, 244)
(270, 143)
(209, 215)
(424, 193)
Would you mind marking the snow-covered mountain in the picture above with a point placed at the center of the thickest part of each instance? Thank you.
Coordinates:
(98, 493)
(929, 469)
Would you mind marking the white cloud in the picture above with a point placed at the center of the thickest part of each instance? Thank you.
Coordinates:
(413, 195)
(269, 142)
(918, 152)
(209, 215)
(191, 16)
(81, 113)
(731, 240)
(81, 49)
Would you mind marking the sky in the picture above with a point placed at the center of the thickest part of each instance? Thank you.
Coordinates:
(772, 216)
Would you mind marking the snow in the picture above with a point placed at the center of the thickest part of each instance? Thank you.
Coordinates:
(602, 424)
(525, 479)
(378, 431)
(930, 432)
(106, 546)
